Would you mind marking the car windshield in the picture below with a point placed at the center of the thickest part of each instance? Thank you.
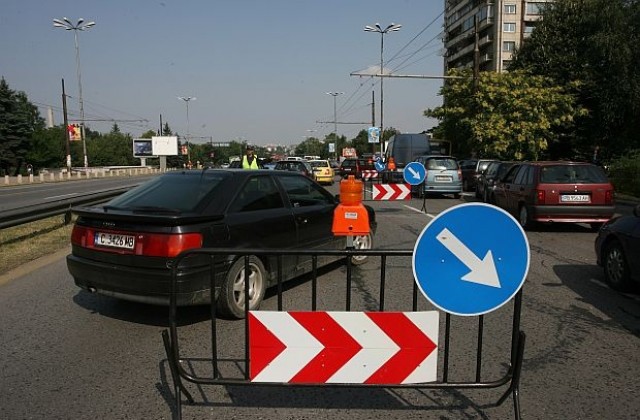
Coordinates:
(572, 174)
(319, 164)
(171, 193)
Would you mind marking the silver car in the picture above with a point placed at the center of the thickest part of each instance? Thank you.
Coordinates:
(443, 176)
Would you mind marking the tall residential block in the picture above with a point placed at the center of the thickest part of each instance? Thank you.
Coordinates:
(501, 26)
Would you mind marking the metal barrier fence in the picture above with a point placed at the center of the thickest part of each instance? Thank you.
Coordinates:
(178, 363)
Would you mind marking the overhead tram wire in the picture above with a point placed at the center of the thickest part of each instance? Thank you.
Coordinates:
(350, 102)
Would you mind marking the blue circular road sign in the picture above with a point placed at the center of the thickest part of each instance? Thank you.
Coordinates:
(471, 259)
(414, 173)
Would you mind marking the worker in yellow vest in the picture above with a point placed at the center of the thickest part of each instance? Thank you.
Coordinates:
(249, 160)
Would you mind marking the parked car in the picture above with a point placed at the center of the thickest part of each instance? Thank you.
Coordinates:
(322, 171)
(301, 166)
(617, 250)
(443, 176)
(125, 248)
(486, 182)
(355, 166)
(401, 150)
(471, 173)
(558, 192)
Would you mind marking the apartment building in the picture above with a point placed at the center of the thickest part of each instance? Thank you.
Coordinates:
(501, 27)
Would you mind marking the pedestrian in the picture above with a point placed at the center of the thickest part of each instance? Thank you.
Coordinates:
(249, 160)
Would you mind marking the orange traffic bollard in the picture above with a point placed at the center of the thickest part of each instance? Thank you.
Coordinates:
(350, 217)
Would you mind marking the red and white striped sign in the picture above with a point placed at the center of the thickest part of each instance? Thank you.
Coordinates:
(369, 174)
(391, 192)
(343, 347)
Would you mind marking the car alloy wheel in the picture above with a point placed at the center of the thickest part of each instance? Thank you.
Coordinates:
(361, 242)
(231, 302)
(616, 271)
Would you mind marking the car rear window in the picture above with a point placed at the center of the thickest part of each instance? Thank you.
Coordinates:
(179, 192)
(441, 163)
(572, 174)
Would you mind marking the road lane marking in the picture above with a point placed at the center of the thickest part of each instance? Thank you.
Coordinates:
(53, 197)
(419, 211)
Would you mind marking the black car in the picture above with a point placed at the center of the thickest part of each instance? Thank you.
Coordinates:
(125, 248)
(472, 169)
(487, 179)
(617, 250)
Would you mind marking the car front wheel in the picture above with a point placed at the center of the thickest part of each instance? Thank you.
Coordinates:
(361, 242)
(616, 269)
(231, 302)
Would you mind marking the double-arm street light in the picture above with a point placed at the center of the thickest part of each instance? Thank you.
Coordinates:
(377, 28)
(66, 24)
(188, 99)
(335, 114)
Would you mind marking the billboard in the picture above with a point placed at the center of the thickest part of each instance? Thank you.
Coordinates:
(164, 145)
(142, 148)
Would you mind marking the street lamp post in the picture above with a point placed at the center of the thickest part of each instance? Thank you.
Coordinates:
(377, 28)
(335, 118)
(80, 26)
(188, 99)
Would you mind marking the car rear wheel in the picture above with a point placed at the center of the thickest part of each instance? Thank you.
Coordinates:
(231, 302)
(361, 242)
(524, 219)
(616, 269)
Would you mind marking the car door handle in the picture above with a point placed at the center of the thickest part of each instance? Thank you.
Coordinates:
(303, 220)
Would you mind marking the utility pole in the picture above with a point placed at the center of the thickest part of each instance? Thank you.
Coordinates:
(66, 128)
(373, 120)
(476, 53)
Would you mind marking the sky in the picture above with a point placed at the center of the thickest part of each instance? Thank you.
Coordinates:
(259, 70)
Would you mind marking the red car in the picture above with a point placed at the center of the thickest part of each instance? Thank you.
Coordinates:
(564, 192)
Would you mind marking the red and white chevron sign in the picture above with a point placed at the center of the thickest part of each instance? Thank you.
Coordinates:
(343, 347)
(369, 174)
(391, 192)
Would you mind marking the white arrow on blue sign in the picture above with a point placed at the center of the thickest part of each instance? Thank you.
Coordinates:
(471, 259)
(414, 173)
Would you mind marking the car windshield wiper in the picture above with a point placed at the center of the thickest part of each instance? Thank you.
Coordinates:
(154, 209)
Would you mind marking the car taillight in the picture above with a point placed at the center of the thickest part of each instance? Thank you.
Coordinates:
(459, 175)
(147, 244)
(608, 197)
(540, 196)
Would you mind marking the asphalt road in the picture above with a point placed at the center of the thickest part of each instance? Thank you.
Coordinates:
(69, 354)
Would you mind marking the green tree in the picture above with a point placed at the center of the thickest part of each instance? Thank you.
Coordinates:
(19, 120)
(148, 134)
(511, 115)
(48, 148)
(312, 147)
(595, 42)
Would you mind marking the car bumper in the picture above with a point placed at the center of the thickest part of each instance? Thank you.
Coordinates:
(455, 188)
(145, 285)
(572, 214)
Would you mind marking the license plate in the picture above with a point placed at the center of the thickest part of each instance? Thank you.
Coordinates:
(575, 198)
(114, 240)
(440, 178)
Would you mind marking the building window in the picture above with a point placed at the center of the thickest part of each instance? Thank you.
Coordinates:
(509, 46)
(529, 27)
(535, 7)
(509, 9)
(509, 27)
(506, 64)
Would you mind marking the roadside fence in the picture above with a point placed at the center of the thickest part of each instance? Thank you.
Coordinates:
(424, 341)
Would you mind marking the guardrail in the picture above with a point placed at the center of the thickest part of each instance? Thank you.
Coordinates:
(230, 369)
(77, 174)
(22, 215)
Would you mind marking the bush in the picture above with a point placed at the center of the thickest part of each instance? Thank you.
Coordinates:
(624, 173)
